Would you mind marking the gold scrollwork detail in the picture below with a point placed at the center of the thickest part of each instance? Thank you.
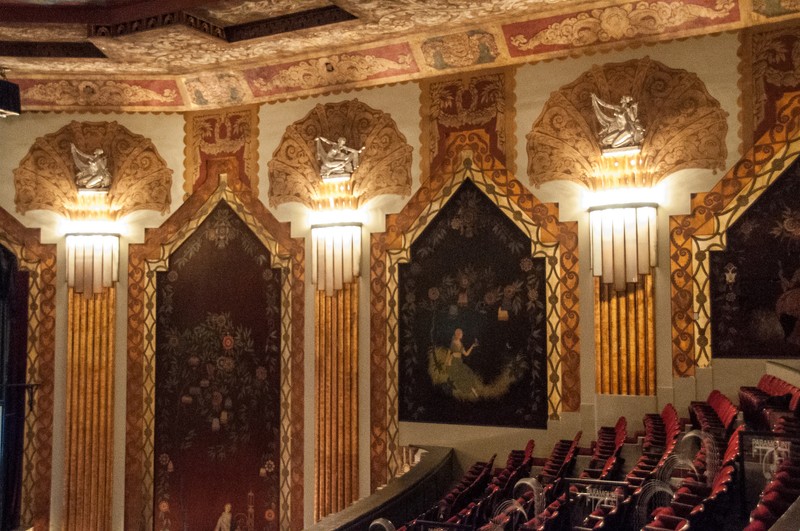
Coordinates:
(333, 70)
(45, 179)
(97, 92)
(621, 22)
(686, 126)
(385, 163)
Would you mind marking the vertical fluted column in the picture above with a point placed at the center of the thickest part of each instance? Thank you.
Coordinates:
(624, 332)
(90, 386)
(336, 355)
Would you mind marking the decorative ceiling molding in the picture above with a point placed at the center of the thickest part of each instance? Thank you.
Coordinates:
(92, 94)
(45, 179)
(50, 49)
(254, 29)
(623, 22)
(385, 162)
(390, 42)
(685, 126)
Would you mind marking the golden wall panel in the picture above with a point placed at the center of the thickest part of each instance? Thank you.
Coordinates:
(336, 370)
(624, 338)
(219, 133)
(90, 410)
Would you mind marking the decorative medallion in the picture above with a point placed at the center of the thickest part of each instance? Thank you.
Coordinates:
(217, 88)
(385, 163)
(220, 133)
(45, 179)
(776, 8)
(685, 126)
(474, 47)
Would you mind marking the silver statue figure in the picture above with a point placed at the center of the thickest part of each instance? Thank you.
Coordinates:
(92, 169)
(621, 128)
(336, 160)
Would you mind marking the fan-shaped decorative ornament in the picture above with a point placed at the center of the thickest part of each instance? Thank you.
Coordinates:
(685, 126)
(385, 163)
(45, 179)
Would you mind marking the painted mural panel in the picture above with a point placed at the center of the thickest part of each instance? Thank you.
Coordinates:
(755, 282)
(472, 320)
(218, 382)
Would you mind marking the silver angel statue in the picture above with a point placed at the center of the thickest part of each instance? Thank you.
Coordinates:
(336, 160)
(92, 169)
(621, 128)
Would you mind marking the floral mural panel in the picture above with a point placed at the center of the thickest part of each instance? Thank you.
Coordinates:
(472, 320)
(218, 382)
(755, 282)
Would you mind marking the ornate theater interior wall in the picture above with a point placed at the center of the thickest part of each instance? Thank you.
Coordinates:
(714, 59)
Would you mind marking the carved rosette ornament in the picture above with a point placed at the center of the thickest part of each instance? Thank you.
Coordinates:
(45, 179)
(685, 126)
(385, 162)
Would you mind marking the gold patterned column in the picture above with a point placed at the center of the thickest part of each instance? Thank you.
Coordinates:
(90, 386)
(336, 358)
(624, 338)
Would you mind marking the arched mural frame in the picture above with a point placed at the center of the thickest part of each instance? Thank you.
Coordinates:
(552, 239)
(693, 236)
(37, 466)
(221, 184)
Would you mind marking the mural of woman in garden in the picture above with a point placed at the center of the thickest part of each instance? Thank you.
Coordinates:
(217, 412)
(472, 320)
(755, 281)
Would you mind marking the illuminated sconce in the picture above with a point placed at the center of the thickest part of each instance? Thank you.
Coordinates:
(623, 239)
(92, 262)
(335, 254)
(335, 239)
(92, 239)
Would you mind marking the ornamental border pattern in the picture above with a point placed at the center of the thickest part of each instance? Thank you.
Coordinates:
(713, 212)
(40, 261)
(144, 260)
(611, 27)
(556, 240)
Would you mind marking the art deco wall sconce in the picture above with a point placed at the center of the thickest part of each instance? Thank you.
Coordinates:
(336, 227)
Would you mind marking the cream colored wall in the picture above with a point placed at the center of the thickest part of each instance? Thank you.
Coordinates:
(714, 59)
(17, 135)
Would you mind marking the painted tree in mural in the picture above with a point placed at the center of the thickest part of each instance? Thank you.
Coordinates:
(472, 320)
(218, 382)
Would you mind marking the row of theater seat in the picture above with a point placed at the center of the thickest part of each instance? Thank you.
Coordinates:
(604, 462)
(770, 393)
(696, 504)
(781, 492)
(700, 501)
(717, 415)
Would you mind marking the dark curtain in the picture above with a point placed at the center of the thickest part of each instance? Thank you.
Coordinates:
(13, 332)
